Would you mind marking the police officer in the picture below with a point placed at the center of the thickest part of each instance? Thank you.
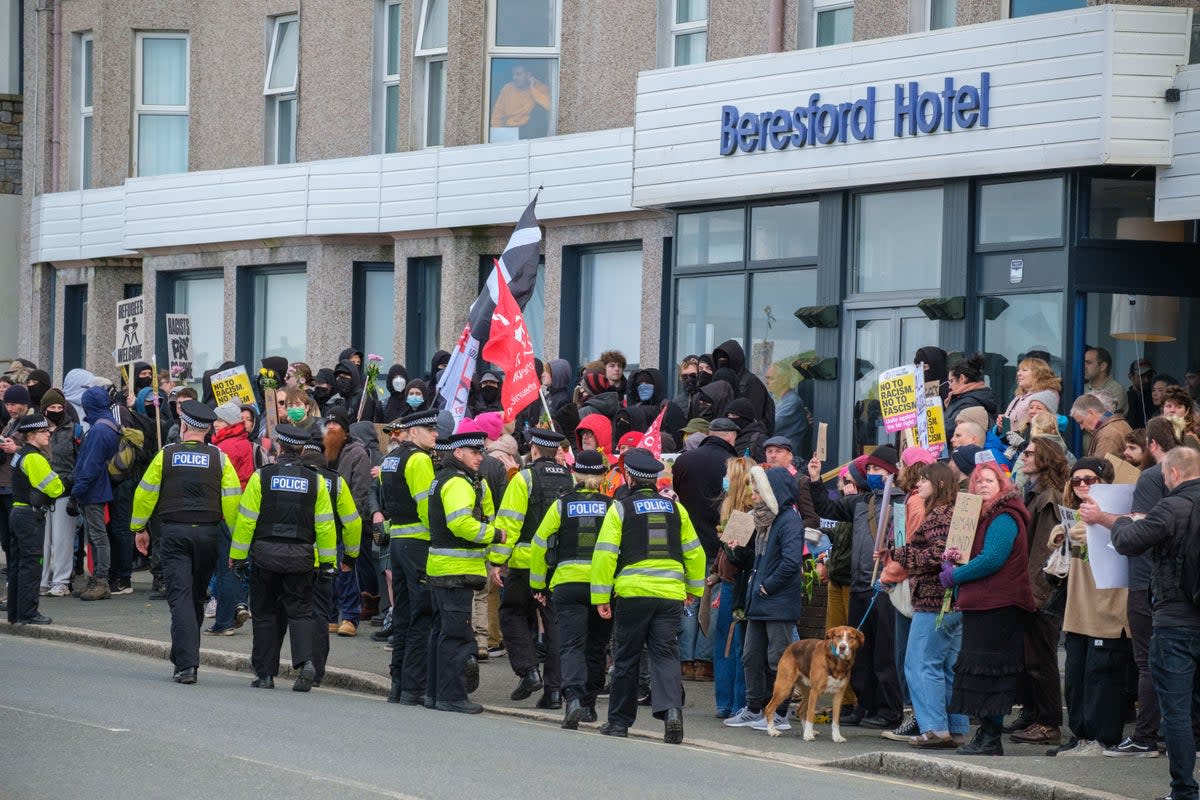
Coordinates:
(405, 478)
(34, 488)
(648, 543)
(460, 505)
(529, 494)
(191, 488)
(562, 548)
(348, 525)
(285, 511)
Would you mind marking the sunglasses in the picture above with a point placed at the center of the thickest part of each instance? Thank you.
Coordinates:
(1086, 480)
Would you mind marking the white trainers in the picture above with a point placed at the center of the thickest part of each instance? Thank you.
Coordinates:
(1085, 747)
(746, 718)
(781, 723)
(210, 608)
(60, 591)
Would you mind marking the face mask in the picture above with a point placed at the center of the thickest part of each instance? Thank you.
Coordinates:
(295, 414)
(725, 484)
(343, 384)
(704, 378)
(875, 483)
(56, 417)
(414, 401)
(490, 394)
(691, 383)
(322, 393)
(645, 391)
(398, 384)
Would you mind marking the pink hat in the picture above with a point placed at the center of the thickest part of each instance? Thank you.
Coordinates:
(916, 455)
(468, 425)
(491, 423)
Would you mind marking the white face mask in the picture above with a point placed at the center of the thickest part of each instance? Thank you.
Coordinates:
(398, 384)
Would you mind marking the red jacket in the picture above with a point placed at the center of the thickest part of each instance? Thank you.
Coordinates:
(233, 442)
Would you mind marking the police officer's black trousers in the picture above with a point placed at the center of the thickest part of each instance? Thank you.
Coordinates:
(322, 608)
(584, 634)
(189, 556)
(412, 613)
(655, 623)
(27, 530)
(275, 594)
(453, 643)
(519, 613)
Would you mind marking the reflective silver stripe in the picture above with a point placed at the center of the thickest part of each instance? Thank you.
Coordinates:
(323, 518)
(600, 589)
(238, 547)
(482, 536)
(502, 550)
(138, 522)
(422, 495)
(692, 545)
(148, 487)
(462, 512)
(452, 553)
(349, 519)
(539, 541)
(696, 584)
(535, 577)
(607, 547)
(509, 513)
(352, 553)
(330, 552)
(647, 572)
(46, 481)
(231, 491)
(575, 562)
(408, 530)
(248, 513)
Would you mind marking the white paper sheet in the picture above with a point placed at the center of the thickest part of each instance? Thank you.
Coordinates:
(1110, 569)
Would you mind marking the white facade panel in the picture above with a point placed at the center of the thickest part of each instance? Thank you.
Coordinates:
(1066, 90)
(1177, 187)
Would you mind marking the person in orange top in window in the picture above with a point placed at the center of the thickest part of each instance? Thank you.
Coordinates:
(524, 102)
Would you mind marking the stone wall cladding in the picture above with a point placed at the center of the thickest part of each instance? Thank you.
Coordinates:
(12, 112)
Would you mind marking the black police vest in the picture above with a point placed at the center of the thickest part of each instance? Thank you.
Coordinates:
(189, 491)
(550, 481)
(289, 503)
(440, 536)
(583, 513)
(650, 529)
(333, 485)
(399, 506)
(22, 489)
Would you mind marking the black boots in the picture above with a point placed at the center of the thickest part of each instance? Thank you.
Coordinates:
(572, 715)
(673, 726)
(551, 698)
(986, 742)
(263, 682)
(305, 677)
(530, 682)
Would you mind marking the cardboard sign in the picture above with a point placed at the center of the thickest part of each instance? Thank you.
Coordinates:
(1123, 471)
(963, 524)
(898, 398)
(738, 529)
(179, 346)
(822, 451)
(232, 384)
(1109, 568)
(131, 331)
(935, 423)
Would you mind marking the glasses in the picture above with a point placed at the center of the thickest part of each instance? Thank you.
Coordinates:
(1086, 480)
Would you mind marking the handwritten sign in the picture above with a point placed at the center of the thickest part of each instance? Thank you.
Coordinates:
(1068, 516)
(179, 346)
(738, 529)
(232, 384)
(131, 331)
(964, 524)
(898, 398)
(822, 451)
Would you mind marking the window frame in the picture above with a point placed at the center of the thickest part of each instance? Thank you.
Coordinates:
(244, 321)
(495, 51)
(1029, 244)
(277, 97)
(140, 108)
(571, 310)
(358, 307)
(678, 29)
(86, 112)
(929, 16)
(390, 80)
(828, 6)
(164, 294)
(427, 58)
(855, 299)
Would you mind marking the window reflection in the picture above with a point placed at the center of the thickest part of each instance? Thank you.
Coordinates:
(1017, 326)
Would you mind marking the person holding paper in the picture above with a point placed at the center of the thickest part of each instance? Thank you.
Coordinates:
(994, 598)
(1099, 650)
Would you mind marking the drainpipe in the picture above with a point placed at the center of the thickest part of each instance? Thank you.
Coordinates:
(775, 23)
(55, 91)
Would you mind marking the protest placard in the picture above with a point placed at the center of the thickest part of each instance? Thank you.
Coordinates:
(822, 450)
(232, 384)
(738, 529)
(963, 524)
(1109, 568)
(179, 346)
(935, 422)
(131, 331)
(898, 398)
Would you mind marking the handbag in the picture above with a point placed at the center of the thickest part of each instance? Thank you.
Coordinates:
(1058, 563)
(901, 597)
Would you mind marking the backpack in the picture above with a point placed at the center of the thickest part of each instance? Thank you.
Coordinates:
(133, 450)
(1189, 558)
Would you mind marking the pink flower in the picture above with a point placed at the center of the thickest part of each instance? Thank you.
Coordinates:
(952, 554)
(376, 358)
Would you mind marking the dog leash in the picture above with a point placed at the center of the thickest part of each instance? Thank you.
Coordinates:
(870, 606)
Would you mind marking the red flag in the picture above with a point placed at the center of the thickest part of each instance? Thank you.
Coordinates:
(509, 348)
(652, 438)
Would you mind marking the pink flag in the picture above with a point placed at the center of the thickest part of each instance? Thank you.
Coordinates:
(652, 438)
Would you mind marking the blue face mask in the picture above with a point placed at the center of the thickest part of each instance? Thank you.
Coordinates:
(875, 483)
(725, 484)
(645, 391)
(414, 400)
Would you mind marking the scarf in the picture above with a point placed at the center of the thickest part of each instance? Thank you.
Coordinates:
(764, 517)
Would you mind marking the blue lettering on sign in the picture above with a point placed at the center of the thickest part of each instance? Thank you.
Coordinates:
(390, 464)
(825, 123)
(586, 508)
(657, 505)
(286, 483)
(184, 459)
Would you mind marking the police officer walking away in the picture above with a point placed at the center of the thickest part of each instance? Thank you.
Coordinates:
(647, 541)
(405, 478)
(460, 505)
(192, 487)
(529, 494)
(285, 511)
(34, 488)
(562, 549)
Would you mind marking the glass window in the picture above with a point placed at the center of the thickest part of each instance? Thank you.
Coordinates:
(610, 300)
(1013, 326)
(86, 109)
(835, 26)
(161, 104)
(689, 32)
(786, 231)
(1124, 209)
(391, 76)
(435, 23)
(898, 240)
(280, 315)
(523, 70)
(75, 304)
(942, 14)
(777, 338)
(1021, 211)
(432, 42)
(423, 313)
(710, 237)
(204, 299)
(1026, 8)
(283, 67)
(526, 23)
(378, 311)
(709, 310)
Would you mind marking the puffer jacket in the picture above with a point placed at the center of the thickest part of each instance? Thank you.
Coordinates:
(92, 484)
(775, 592)
(64, 447)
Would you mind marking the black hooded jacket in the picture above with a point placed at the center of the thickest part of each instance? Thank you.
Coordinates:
(352, 399)
(638, 415)
(441, 357)
(711, 401)
(395, 407)
(697, 476)
(934, 358)
(559, 393)
(748, 386)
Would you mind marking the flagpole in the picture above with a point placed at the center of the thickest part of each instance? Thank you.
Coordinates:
(546, 406)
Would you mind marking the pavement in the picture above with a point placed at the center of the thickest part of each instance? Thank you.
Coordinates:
(136, 624)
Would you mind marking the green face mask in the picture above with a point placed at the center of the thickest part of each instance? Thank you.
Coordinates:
(295, 414)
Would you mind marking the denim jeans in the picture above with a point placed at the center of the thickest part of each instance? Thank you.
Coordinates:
(729, 678)
(899, 648)
(228, 590)
(929, 670)
(1174, 658)
(693, 644)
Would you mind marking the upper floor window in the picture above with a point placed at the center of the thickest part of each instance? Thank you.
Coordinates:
(432, 49)
(523, 69)
(81, 153)
(279, 86)
(833, 22)
(391, 76)
(942, 14)
(1027, 8)
(689, 32)
(160, 126)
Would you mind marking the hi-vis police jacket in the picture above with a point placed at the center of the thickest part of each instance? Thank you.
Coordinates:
(197, 481)
(652, 533)
(570, 529)
(459, 531)
(346, 516)
(288, 481)
(34, 482)
(526, 500)
(404, 480)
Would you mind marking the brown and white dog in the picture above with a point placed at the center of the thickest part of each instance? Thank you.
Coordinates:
(813, 667)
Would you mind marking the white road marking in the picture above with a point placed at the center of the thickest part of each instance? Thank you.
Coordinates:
(350, 784)
(66, 719)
